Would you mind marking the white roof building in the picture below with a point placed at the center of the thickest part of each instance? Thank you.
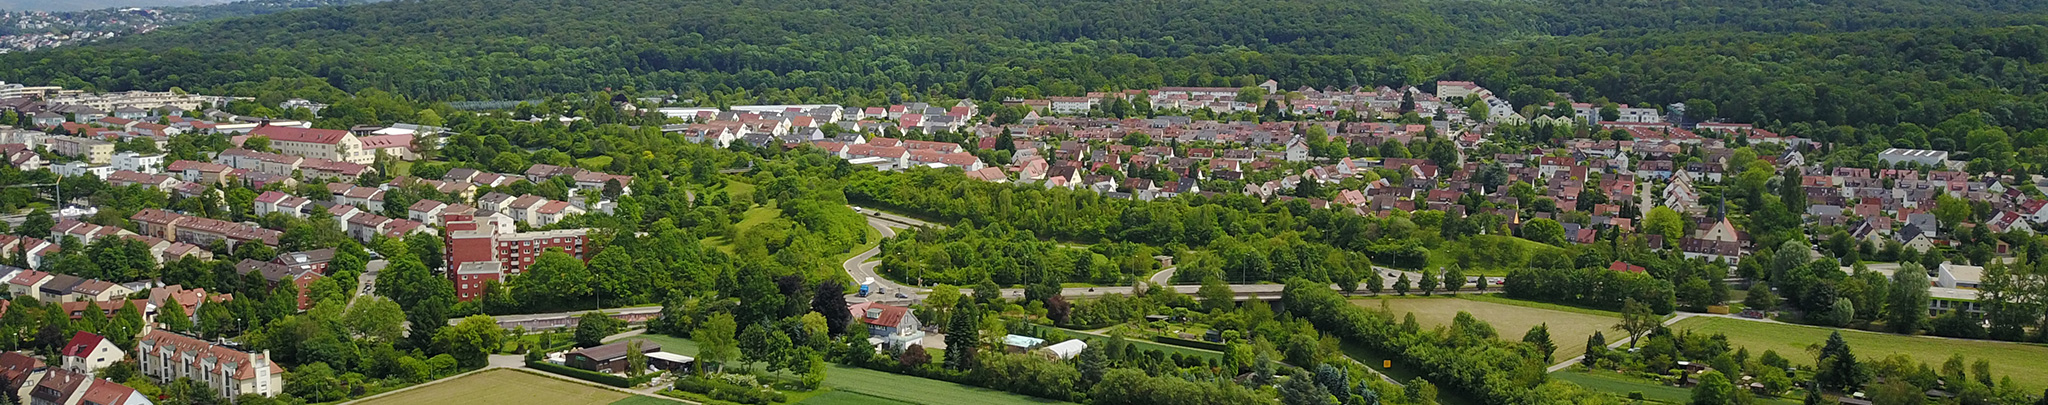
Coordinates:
(1064, 350)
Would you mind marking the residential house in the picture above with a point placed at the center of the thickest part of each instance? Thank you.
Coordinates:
(88, 353)
(890, 327)
(274, 273)
(609, 358)
(167, 356)
(199, 230)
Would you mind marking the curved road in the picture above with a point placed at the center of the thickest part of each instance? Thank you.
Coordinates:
(861, 269)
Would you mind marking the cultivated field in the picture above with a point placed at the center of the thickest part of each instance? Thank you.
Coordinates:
(1511, 319)
(510, 387)
(2020, 361)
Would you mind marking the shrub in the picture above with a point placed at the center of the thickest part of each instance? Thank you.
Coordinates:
(721, 388)
(586, 375)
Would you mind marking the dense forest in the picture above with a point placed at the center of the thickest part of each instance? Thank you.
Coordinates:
(1829, 63)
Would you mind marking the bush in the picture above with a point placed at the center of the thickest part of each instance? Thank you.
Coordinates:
(586, 375)
(727, 391)
(1191, 343)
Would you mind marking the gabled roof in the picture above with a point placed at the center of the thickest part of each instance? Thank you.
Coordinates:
(879, 314)
(160, 341)
(307, 135)
(81, 344)
(616, 350)
(105, 392)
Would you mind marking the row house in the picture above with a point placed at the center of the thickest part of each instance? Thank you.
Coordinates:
(323, 169)
(124, 178)
(477, 178)
(302, 277)
(265, 162)
(370, 198)
(166, 356)
(366, 226)
(199, 230)
(203, 172)
(596, 180)
(56, 386)
(166, 251)
(277, 201)
(21, 156)
(932, 158)
(30, 250)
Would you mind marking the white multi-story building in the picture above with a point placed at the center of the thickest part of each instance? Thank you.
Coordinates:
(168, 356)
(136, 162)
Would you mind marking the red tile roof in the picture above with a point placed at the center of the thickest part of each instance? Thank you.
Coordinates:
(885, 315)
(308, 135)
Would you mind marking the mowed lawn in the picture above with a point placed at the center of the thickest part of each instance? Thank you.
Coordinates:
(748, 220)
(849, 398)
(511, 387)
(855, 385)
(1621, 386)
(918, 390)
(1448, 254)
(1511, 319)
(2021, 361)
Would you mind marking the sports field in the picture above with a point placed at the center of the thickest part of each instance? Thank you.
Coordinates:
(511, 387)
(1569, 327)
(2021, 361)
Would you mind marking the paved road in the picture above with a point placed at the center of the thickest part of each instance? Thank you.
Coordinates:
(366, 283)
(861, 269)
(1163, 277)
(554, 320)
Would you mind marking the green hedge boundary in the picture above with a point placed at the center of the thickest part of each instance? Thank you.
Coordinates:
(591, 376)
(1198, 344)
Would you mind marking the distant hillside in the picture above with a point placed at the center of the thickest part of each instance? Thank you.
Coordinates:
(1776, 59)
(80, 5)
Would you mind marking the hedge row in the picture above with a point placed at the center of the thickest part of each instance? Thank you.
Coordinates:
(586, 375)
(724, 391)
(1198, 344)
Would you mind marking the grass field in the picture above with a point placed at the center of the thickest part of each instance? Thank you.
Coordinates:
(1139, 339)
(753, 217)
(1621, 386)
(594, 162)
(512, 387)
(918, 390)
(1448, 253)
(1569, 327)
(849, 398)
(855, 385)
(739, 188)
(2021, 361)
